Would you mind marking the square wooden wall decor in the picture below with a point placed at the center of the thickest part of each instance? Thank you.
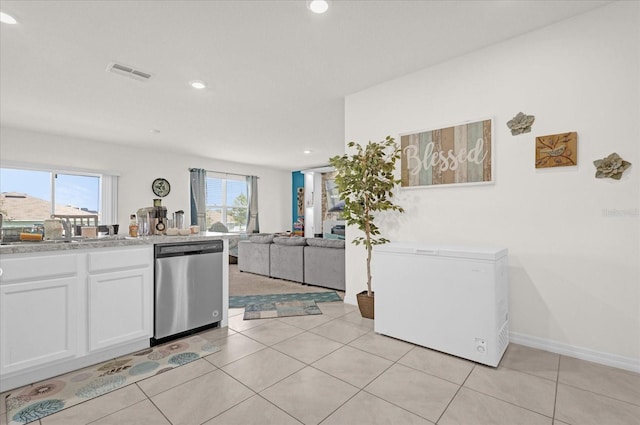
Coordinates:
(557, 150)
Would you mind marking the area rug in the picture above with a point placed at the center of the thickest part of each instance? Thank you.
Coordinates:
(35, 401)
(240, 301)
(280, 309)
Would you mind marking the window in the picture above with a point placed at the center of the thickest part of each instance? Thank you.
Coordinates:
(227, 201)
(29, 196)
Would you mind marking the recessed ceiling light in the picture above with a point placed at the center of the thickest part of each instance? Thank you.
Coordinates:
(198, 84)
(7, 19)
(318, 6)
(306, 152)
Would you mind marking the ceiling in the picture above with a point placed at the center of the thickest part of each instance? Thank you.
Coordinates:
(277, 74)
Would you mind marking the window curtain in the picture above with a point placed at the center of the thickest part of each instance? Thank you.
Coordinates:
(253, 225)
(109, 199)
(198, 198)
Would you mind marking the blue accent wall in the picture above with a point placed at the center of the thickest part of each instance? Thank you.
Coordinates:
(297, 181)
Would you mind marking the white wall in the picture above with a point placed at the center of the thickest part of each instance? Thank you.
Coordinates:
(574, 267)
(139, 167)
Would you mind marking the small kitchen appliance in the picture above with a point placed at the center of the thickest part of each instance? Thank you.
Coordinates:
(156, 218)
(178, 219)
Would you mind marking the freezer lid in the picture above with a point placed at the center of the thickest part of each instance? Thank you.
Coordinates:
(473, 252)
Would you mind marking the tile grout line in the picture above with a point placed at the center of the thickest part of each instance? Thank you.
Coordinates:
(239, 358)
(277, 382)
(259, 394)
(594, 392)
(254, 393)
(181, 383)
(96, 398)
(600, 394)
(305, 366)
(508, 402)
(377, 355)
(456, 394)
(154, 405)
(362, 390)
(427, 373)
(389, 401)
(320, 358)
(555, 398)
(278, 407)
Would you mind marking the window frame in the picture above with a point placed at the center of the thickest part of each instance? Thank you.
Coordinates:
(108, 187)
(225, 177)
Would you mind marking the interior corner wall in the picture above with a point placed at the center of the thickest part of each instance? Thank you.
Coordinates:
(137, 168)
(573, 240)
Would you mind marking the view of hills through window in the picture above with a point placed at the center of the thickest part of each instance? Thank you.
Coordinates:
(26, 195)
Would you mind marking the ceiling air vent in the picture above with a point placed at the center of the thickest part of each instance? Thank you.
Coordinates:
(127, 71)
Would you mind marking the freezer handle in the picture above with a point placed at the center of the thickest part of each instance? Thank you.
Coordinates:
(427, 251)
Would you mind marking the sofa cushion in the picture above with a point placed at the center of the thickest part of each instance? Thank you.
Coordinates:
(286, 261)
(326, 243)
(254, 257)
(261, 238)
(293, 241)
(324, 267)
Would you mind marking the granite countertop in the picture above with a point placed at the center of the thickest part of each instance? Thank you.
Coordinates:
(108, 242)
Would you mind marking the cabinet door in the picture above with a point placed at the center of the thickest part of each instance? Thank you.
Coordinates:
(38, 322)
(120, 307)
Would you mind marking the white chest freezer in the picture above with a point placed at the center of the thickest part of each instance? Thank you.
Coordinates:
(449, 298)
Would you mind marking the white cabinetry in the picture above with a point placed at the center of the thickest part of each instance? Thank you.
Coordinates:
(120, 296)
(64, 311)
(38, 311)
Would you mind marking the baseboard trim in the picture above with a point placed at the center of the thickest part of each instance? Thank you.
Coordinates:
(350, 299)
(607, 359)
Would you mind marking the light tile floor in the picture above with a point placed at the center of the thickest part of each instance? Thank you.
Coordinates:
(334, 370)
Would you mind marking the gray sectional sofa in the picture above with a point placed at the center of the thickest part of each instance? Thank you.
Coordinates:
(313, 261)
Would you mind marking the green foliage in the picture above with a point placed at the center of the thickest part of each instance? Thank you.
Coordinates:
(239, 210)
(365, 182)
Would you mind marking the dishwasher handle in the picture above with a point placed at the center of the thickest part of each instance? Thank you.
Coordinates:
(182, 249)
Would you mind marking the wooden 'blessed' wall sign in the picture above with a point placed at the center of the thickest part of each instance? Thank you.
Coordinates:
(461, 154)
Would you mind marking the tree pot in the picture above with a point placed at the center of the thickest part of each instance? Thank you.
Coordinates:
(365, 304)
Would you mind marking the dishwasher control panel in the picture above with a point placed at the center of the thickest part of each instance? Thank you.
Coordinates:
(188, 248)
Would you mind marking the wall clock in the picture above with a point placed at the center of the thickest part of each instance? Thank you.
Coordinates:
(161, 187)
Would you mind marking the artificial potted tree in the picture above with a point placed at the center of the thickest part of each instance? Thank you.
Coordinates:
(365, 181)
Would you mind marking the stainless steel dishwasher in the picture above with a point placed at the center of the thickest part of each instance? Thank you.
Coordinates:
(188, 288)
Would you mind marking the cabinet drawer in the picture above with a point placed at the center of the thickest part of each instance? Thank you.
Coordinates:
(120, 259)
(36, 267)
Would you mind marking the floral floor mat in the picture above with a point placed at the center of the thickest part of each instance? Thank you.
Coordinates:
(35, 401)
